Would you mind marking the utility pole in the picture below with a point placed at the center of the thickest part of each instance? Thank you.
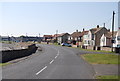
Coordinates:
(113, 40)
(56, 35)
(104, 24)
(39, 38)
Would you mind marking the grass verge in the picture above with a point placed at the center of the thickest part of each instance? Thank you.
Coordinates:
(4, 64)
(96, 50)
(107, 77)
(101, 58)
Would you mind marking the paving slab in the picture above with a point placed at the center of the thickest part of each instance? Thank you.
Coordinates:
(105, 69)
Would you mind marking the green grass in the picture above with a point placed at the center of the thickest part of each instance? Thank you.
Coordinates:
(101, 58)
(107, 77)
(4, 64)
(97, 50)
(7, 42)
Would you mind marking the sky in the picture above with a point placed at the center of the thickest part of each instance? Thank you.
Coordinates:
(34, 18)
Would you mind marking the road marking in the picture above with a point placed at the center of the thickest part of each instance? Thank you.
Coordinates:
(41, 70)
(51, 61)
(56, 57)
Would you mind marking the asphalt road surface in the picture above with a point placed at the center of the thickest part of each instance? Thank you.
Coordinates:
(55, 62)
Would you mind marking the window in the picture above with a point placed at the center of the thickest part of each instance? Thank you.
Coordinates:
(103, 40)
(118, 37)
(92, 36)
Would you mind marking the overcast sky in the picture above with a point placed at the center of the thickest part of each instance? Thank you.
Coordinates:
(19, 18)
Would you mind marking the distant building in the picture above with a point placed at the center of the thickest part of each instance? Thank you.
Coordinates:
(47, 38)
(30, 38)
(4, 38)
(75, 37)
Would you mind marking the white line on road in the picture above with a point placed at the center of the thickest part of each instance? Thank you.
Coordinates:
(51, 62)
(41, 70)
(56, 56)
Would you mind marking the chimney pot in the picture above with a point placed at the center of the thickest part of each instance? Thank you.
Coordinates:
(83, 29)
(97, 26)
(76, 30)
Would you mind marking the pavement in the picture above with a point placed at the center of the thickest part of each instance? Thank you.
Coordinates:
(106, 69)
(55, 62)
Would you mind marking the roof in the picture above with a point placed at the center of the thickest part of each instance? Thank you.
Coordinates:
(83, 33)
(56, 35)
(47, 36)
(75, 34)
(59, 35)
(109, 34)
(95, 30)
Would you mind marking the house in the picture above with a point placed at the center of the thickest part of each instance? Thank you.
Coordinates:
(62, 38)
(47, 38)
(117, 39)
(54, 39)
(93, 36)
(74, 37)
(81, 42)
(106, 39)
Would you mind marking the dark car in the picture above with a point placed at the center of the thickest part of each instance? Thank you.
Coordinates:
(66, 44)
(118, 46)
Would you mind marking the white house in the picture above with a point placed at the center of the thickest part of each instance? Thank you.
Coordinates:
(62, 38)
(106, 39)
(88, 39)
(117, 39)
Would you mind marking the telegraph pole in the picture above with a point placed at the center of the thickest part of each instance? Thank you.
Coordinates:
(56, 35)
(39, 38)
(113, 40)
(104, 24)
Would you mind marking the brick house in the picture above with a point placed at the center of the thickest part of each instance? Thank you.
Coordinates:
(92, 38)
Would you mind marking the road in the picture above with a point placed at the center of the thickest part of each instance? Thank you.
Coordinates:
(55, 62)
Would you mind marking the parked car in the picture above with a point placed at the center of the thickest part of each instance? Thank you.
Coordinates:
(66, 44)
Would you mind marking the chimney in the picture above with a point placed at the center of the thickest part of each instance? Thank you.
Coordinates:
(76, 30)
(97, 26)
(83, 29)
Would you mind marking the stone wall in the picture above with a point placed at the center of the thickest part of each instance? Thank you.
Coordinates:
(8, 55)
